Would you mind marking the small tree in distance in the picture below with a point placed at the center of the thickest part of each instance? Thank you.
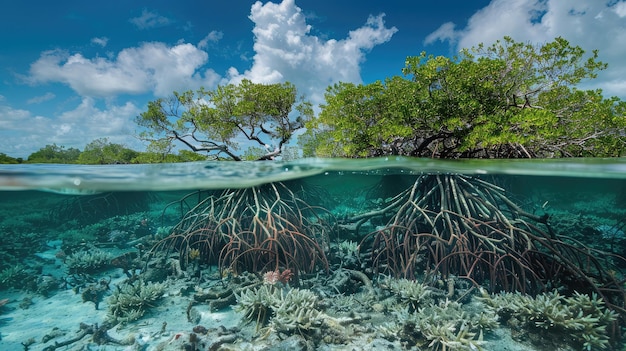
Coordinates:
(219, 122)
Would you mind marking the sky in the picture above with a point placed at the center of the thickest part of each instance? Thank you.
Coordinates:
(72, 71)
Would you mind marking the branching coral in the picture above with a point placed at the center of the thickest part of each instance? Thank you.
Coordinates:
(411, 292)
(88, 261)
(296, 312)
(287, 310)
(130, 300)
(585, 318)
(432, 320)
(12, 276)
(449, 325)
(256, 304)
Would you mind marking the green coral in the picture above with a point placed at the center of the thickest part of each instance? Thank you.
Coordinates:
(13, 276)
(89, 261)
(585, 318)
(130, 300)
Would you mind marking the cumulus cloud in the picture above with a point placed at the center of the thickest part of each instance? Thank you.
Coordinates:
(152, 67)
(213, 37)
(589, 24)
(286, 51)
(22, 132)
(102, 41)
(149, 20)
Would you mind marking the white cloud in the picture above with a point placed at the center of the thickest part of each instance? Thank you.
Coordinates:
(149, 19)
(213, 37)
(42, 98)
(90, 122)
(445, 32)
(152, 67)
(588, 24)
(620, 8)
(102, 41)
(286, 51)
(22, 132)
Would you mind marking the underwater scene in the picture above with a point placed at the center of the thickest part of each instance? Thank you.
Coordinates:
(315, 254)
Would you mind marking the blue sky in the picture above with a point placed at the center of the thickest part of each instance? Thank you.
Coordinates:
(74, 71)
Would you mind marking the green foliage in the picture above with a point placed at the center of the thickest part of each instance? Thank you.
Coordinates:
(507, 100)
(216, 121)
(54, 154)
(5, 159)
(102, 151)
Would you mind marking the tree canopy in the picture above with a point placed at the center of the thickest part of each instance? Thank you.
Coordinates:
(221, 121)
(54, 154)
(102, 151)
(507, 100)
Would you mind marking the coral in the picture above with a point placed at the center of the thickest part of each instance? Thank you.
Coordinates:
(116, 230)
(296, 312)
(90, 261)
(256, 303)
(450, 325)
(410, 292)
(348, 253)
(12, 276)
(130, 300)
(428, 318)
(286, 311)
(585, 318)
(274, 277)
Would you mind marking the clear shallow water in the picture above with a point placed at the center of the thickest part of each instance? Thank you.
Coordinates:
(50, 215)
(221, 175)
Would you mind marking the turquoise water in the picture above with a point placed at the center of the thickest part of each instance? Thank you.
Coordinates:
(314, 254)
